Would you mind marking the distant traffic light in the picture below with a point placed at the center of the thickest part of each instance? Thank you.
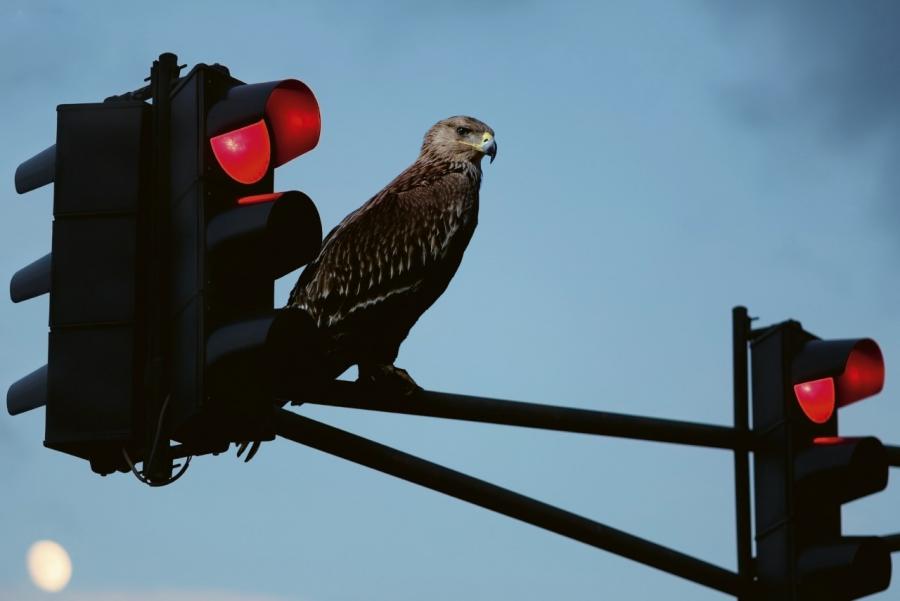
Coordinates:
(236, 235)
(91, 383)
(804, 471)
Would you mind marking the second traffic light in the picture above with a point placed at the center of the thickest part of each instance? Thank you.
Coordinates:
(233, 235)
(804, 471)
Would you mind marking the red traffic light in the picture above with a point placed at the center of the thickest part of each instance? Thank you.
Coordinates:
(833, 373)
(816, 398)
(260, 126)
(244, 153)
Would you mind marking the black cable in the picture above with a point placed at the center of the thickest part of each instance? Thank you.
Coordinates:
(140, 475)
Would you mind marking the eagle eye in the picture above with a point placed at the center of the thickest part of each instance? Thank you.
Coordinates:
(463, 131)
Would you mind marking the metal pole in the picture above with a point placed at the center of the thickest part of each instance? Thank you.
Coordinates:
(157, 461)
(533, 415)
(740, 327)
(436, 477)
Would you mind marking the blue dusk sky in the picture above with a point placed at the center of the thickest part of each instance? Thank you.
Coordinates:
(659, 163)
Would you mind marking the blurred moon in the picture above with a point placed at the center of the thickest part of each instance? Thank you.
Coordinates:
(49, 566)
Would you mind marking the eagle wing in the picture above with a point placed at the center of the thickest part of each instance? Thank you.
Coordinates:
(388, 248)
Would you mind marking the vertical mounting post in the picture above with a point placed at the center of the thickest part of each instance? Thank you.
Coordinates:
(158, 463)
(740, 324)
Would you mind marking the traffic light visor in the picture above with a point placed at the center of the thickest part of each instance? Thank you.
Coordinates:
(265, 233)
(293, 115)
(863, 375)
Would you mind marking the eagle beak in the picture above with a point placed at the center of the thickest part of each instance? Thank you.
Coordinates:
(489, 146)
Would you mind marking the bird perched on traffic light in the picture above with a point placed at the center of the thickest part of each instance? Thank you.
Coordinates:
(390, 259)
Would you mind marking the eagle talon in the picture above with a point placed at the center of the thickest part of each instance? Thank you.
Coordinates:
(252, 452)
(254, 447)
(388, 379)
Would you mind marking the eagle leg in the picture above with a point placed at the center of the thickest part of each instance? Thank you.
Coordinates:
(387, 379)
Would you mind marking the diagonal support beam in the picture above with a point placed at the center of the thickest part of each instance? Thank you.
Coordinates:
(478, 492)
(534, 415)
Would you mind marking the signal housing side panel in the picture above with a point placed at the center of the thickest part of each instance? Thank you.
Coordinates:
(97, 280)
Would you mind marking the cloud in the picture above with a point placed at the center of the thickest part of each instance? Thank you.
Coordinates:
(125, 595)
(841, 59)
(22, 25)
(14, 453)
(835, 69)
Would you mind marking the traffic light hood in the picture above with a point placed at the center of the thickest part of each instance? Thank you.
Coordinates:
(246, 357)
(278, 232)
(37, 171)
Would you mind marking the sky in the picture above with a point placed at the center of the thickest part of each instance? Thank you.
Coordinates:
(658, 164)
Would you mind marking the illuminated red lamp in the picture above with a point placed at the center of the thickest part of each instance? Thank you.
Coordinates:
(293, 114)
(284, 122)
(829, 374)
(863, 374)
(244, 153)
(816, 398)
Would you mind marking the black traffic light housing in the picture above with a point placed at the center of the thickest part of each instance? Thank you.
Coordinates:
(804, 471)
(234, 235)
(167, 239)
(92, 382)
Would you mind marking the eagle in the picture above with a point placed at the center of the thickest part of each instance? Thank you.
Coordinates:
(389, 260)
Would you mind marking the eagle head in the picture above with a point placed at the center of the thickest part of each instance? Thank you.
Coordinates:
(460, 139)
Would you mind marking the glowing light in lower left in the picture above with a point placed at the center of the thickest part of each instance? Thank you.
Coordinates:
(49, 566)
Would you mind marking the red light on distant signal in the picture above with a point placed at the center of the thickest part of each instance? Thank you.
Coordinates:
(816, 398)
(244, 153)
(863, 375)
(258, 198)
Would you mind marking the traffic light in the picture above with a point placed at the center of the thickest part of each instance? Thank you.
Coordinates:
(91, 384)
(167, 239)
(805, 471)
(233, 235)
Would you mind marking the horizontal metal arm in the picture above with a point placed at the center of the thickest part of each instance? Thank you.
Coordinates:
(893, 455)
(436, 477)
(533, 415)
(892, 541)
